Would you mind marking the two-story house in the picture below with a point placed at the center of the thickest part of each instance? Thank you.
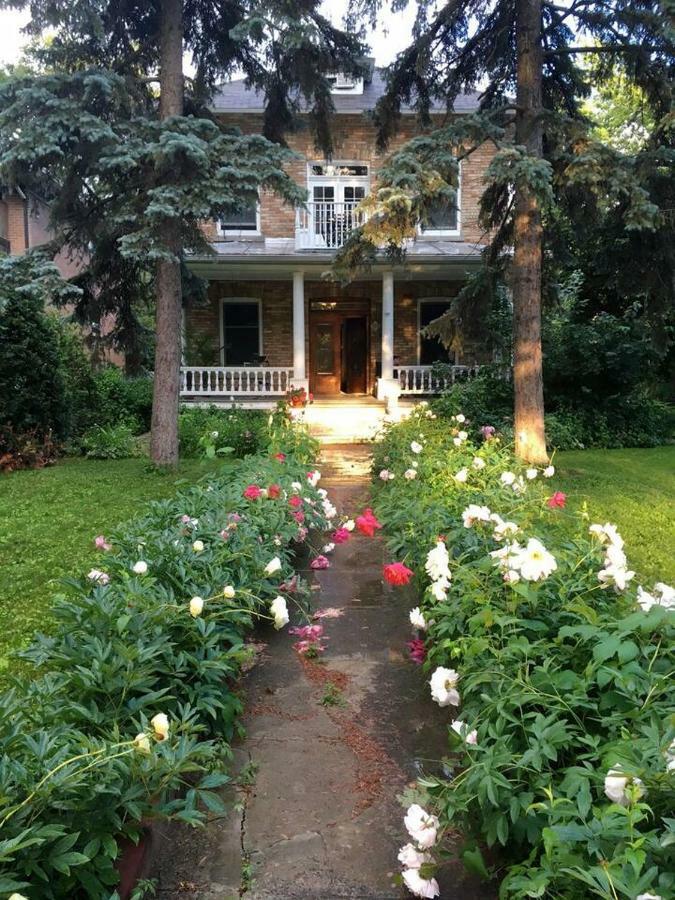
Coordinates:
(273, 319)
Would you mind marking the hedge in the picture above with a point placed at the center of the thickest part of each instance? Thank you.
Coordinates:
(133, 702)
(555, 665)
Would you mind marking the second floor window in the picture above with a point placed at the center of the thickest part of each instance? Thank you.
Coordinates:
(444, 218)
(335, 191)
(245, 221)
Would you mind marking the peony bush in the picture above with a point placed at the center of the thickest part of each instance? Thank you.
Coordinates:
(555, 666)
(133, 701)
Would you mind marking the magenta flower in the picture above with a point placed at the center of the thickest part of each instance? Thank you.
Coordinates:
(488, 432)
(418, 652)
(340, 536)
(307, 632)
(319, 562)
(252, 492)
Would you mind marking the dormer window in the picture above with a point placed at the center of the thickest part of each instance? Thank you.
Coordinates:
(345, 84)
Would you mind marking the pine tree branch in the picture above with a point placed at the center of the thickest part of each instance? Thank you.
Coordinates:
(615, 48)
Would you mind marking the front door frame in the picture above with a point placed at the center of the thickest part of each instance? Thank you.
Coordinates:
(339, 309)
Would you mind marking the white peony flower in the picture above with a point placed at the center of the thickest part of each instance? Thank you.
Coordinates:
(421, 887)
(617, 784)
(328, 548)
(296, 486)
(443, 683)
(503, 530)
(415, 447)
(421, 826)
(519, 486)
(410, 474)
(607, 534)
(462, 475)
(531, 474)
(474, 513)
(670, 757)
(140, 567)
(142, 743)
(534, 562)
(412, 858)
(322, 492)
(478, 463)
(511, 576)
(507, 478)
(639, 897)
(437, 565)
(384, 475)
(349, 525)
(272, 566)
(279, 611)
(470, 737)
(439, 590)
(461, 418)
(98, 575)
(507, 556)
(160, 726)
(228, 592)
(196, 607)
(314, 477)
(16, 896)
(417, 619)
(329, 510)
(198, 546)
(548, 472)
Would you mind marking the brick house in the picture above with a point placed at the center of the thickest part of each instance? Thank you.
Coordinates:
(273, 320)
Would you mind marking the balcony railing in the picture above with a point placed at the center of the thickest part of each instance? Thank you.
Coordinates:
(423, 379)
(235, 381)
(326, 226)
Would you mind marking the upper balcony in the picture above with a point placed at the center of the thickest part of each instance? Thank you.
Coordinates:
(326, 225)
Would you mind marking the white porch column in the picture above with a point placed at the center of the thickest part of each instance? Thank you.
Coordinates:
(387, 388)
(299, 367)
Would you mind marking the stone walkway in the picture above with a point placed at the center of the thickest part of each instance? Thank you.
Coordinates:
(328, 747)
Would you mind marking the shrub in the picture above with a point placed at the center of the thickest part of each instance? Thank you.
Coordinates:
(113, 442)
(83, 759)
(560, 669)
(487, 399)
(32, 386)
(123, 400)
(81, 396)
(244, 431)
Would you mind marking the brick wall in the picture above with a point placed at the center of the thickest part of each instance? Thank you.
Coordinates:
(203, 322)
(354, 141)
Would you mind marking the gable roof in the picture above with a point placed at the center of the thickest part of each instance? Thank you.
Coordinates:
(237, 97)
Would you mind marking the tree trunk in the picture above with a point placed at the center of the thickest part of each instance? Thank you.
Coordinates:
(528, 385)
(164, 436)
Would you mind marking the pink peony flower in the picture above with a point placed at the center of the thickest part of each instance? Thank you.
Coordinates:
(367, 523)
(299, 516)
(295, 502)
(302, 533)
(307, 632)
(233, 517)
(340, 536)
(252, 492)
(418, 652)
(330, 612)
(274, 491)
(290, 586)
(488, 432)
(101, 544)
(281, 457)
(98, 576)
(303, 647)
(225, 534)
(397, 574)
(319, 562)
(557, 501)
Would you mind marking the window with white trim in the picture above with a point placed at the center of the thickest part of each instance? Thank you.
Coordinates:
(431, 350)
(443, 218)
(245, 221)
(241, 332)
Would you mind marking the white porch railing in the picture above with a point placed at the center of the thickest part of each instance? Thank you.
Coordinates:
(235, 381)
(326, 226)
(423, 380)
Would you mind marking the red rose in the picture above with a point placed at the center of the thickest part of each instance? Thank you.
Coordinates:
(557, 501)
(396, 573)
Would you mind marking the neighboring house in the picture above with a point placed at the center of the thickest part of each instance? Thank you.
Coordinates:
(273, 321)
(24, 224)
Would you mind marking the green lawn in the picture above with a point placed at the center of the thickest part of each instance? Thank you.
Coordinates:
(48, 519)
(634, 489)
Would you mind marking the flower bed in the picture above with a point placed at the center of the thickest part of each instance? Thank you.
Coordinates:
(133, 702)
(555, 666)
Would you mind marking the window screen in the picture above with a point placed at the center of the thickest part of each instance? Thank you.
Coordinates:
(241, 332)
(245, 219)
(442, 217)
(431, 349)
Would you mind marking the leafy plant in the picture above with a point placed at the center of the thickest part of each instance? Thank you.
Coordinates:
(113, 442)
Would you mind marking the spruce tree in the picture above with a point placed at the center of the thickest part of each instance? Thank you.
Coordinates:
(132, 174)
(524, 57)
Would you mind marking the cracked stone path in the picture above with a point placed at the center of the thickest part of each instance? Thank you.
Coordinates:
(316, 816)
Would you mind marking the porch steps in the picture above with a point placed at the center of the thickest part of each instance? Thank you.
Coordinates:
(355, 420)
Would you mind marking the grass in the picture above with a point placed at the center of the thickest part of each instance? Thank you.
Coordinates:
(634, 489)
(48, 519)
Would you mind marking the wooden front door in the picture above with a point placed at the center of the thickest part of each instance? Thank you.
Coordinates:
(325, 353)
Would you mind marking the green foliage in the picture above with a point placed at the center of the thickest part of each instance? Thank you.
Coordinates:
(81, 389)
(32, 384)
(120, 399)
(563, 678)
(486, 398)
(207, 432)
(111, 442)
(74, 784)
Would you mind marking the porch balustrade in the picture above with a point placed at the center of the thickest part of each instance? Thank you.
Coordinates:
(326, 225)
(423, 379)
(235, 381)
